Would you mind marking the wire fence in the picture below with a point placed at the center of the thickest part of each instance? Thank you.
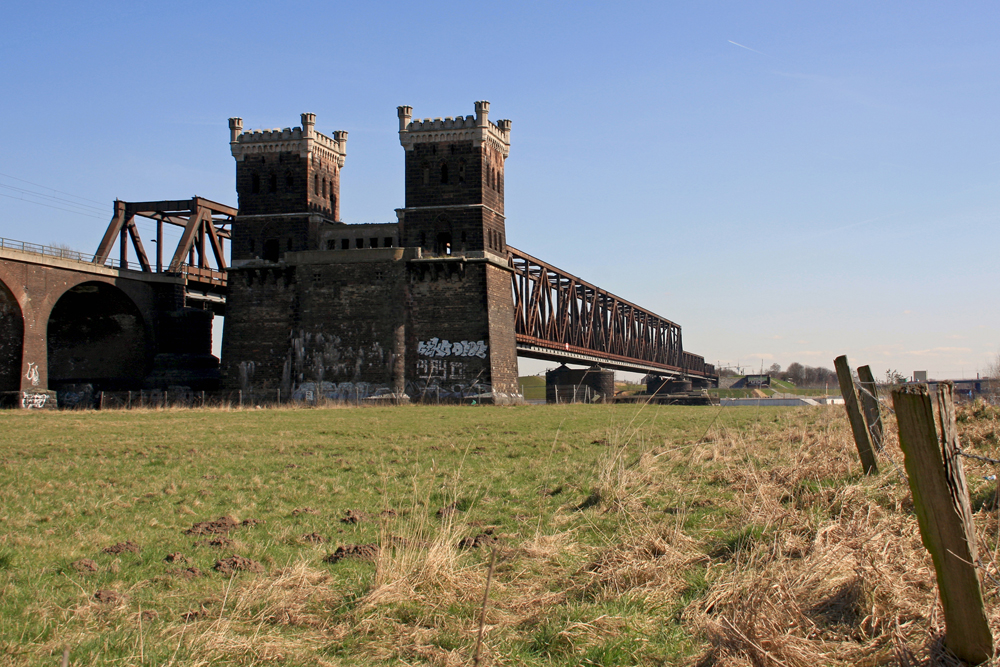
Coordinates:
(180, 397)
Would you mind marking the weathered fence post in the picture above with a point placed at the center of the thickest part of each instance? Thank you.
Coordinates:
(861, 437)
(869, 403)
(941, 501)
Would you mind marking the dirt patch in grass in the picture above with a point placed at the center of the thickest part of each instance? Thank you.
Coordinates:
(221, 526)
(355, 516)
(359, 551)
(483, 539)
(313, 538)
(84, 566)
(304, 510)
(235, 564)
(127, 546)
(109, 597)
(221, 542)
(175, 557)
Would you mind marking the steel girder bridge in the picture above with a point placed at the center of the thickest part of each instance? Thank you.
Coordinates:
(559, 317)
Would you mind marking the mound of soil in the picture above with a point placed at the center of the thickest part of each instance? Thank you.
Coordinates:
(176, 557)
(354, 516)
(304, 510)
(108, 597)
(250, 523)
(220, 542)
(84, 566)
(482, 539)
(122, 547)
(313, 538)
(237, 564)
(361, 551)
(220, 526)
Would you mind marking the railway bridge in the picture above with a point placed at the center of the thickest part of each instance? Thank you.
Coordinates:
(435, 304)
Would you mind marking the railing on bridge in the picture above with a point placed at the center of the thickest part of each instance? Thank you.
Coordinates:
(196, 273)
(558, 312)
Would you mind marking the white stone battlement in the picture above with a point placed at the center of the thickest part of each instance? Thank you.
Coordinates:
(477, 129)
(305, 141)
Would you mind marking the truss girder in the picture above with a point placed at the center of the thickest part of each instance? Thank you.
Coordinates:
(561, 311)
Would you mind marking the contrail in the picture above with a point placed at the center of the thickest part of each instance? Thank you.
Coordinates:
(743, 47)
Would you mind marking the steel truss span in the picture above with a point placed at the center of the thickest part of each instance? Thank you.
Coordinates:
(559, 317)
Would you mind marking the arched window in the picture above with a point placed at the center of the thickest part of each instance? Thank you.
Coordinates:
(461, 173)
(423, 239)
(271, 250)
(255, 183)
(324, 188)
(444, 173)
(289, 180)
(427, 175)
(272, 183)
(316, 184)
(333, 200)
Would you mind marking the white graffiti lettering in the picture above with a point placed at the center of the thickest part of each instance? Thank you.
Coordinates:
(33, 401)
(436, 347)
(32, 374)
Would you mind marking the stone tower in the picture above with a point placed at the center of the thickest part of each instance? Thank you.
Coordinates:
(460, 321)
(288, 184)
(454, 182)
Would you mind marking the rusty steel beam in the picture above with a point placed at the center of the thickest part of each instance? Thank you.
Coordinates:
(556, 312)
(199, 217)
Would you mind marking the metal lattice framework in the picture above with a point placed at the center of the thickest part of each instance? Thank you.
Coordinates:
(560, 317)
(200, 254)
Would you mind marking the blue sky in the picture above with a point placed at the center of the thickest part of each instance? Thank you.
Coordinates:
(788, 181)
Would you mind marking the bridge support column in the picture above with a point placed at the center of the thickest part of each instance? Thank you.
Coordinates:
(34, 390)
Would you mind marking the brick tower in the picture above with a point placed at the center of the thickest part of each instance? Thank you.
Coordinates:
(460, 324)
(454, 182)
(288, 184)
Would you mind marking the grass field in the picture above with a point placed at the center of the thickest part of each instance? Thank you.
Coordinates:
(623, 536)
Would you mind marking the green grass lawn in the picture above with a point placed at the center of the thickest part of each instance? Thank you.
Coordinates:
(617, 529)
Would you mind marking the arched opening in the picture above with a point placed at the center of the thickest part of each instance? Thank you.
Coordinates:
(444, 174)
(97, 336)
(11, 340)
(289, 181)
(271, 250)
(272, 185)
(255, 183)
(443, 246)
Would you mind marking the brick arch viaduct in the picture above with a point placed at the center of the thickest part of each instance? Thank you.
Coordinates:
(66, 317)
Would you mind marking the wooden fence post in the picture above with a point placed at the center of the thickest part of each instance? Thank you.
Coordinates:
(869, 403)
(941, 501)
(861, 437)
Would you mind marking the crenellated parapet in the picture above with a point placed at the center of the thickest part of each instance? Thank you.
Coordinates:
(478, 129)
(304, 141)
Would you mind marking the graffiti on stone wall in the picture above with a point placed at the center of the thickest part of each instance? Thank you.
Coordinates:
(441, 369)
(338, 391)
(247, 369)
(436, 347)
(33, 401)
(32, 374)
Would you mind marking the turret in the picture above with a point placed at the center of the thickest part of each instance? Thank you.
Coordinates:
(454, 182)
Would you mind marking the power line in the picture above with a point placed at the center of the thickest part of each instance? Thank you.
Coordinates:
(53, 189)
(58, 208)
(69, 202)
